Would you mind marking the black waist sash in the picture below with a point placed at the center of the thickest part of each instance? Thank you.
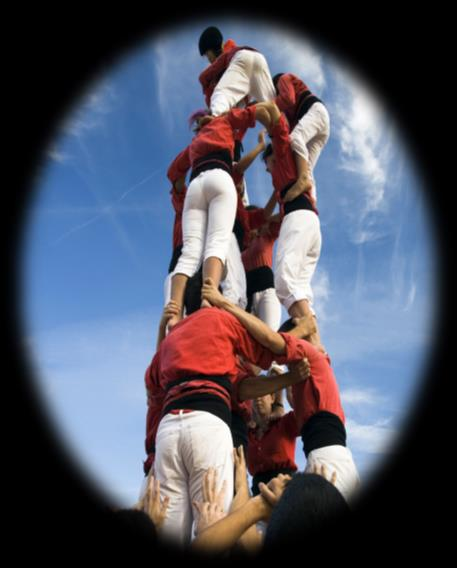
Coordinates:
(300, 202)
(266, 476)
(306, 101)
(321, 430)
(257, 280)
(194, 400)
(220, 159)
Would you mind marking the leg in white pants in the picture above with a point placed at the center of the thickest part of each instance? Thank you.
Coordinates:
(310, 135)
(297, 254)
(207, 221)
(247, 74)
(337, 459)
(266, 306)
(186, 446)
(234, 284)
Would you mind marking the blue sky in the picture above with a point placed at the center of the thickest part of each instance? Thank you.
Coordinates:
(98, 244)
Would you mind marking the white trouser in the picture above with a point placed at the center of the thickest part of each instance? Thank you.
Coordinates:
(337, 459)
(234, 283)
(298, 250)
(186, 446)
(167, 288)
(266, 306)
(207, 220)
(310, 136)
(247, 74)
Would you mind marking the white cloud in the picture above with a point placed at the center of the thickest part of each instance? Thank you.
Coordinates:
(91, 110)
(366, 141)
(376, 438)
(361, 396)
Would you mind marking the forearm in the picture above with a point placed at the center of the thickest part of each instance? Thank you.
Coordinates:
(247, 160)
(270, 206)
(253, 387)
(224, 534)
(161, 334)
(259, 330)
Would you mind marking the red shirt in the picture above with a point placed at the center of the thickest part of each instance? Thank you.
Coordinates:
(276, 449)
(206, 342)
(177, 170)
(320, 391)
(284, 169)
(290, 89)
(221, 133)
(250, 220)
(210, 77)
(260, 250)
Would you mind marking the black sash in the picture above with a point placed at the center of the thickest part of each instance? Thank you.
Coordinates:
(215, 160)
(300, 202)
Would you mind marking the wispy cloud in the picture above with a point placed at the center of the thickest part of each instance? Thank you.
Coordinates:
(375, 438)
(98, 102)
(361, 396)
(366, 139)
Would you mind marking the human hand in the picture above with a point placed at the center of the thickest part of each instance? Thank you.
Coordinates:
(170, 310)
(152, 505)
(211, 508)
(211, 294)
(304, 326)
(302, 185)
(300, 370)
(322, 470)
(273, 490)
(240, 469)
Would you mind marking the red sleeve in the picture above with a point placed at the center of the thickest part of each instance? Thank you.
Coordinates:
(156, 396)
(242, 118)
(295, 350)
(256, 218)
(286, 90)
(249, 348)
(289, 424)
(180, 166)
(214, 70)
(280, 136)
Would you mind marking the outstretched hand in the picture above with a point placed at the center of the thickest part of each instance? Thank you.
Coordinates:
(151, 503)
(211, 508)
(322, 470)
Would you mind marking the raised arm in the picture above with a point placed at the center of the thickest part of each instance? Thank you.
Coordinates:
(246, 161)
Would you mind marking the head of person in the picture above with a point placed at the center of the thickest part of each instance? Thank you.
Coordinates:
(194, 118)
(263, 405)
(268, 158)
(210, 43)
(275, 81)
(308, 505)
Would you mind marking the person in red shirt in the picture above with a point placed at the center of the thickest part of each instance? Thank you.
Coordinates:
(210, 202)
(300, 240)
(189, 384)
(318, 411)
(309, 124)
(271, 443)
(258, 262)
(234, 73)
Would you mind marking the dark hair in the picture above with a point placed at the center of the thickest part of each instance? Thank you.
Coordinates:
(309, 501)
(276, 79)
(211, 38)
(252, 207)
(267, 152)
(286, 326)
